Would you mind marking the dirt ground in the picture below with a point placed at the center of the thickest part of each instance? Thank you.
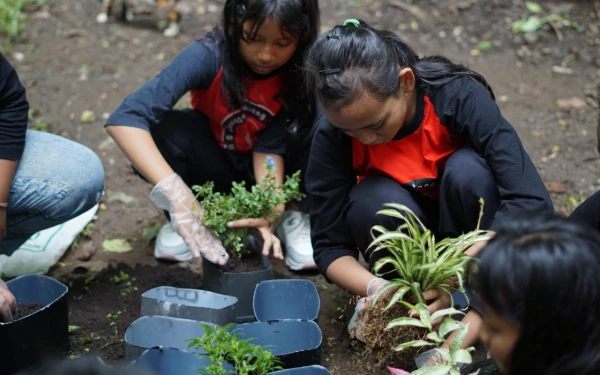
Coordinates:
(546, 88)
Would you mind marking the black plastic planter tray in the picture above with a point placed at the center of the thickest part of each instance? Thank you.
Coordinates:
(306, 370)
(169, 361)
(296, 342)
(189, 304)
(238, 284)
(150, 331)
(26, 342)
(286, 299)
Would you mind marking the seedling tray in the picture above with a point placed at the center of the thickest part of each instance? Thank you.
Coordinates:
(189, 304)
(169, 361)
(150, 331)
(26, 342)
(306, 370)
(286, 299)
(296, 342)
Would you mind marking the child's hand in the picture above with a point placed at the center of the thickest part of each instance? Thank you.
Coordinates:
(266, 230)
(8, 304)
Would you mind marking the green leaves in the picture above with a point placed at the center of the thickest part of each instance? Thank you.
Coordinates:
(533, 7)
(242, 203)
(222, 345)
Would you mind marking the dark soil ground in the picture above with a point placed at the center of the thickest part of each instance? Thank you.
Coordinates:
(27, 309)
(546, 88)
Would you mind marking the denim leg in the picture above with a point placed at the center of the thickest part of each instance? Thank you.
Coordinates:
(55, 181)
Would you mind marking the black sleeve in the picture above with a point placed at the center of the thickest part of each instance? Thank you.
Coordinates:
(329, 180)
(14, 113)
(469, 110)
(275, 137)
(194, 68)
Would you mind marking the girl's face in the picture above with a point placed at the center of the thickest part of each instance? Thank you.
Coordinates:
(499, 336)
(270, 49)
(373, 121)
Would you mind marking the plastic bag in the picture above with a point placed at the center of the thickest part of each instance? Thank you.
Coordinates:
(43, 249)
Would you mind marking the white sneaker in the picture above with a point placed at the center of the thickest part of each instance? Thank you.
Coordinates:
(170, 245)
(294, 232)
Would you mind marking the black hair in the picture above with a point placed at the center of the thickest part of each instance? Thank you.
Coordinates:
(350, 60)
(300, 18)
(543, 274)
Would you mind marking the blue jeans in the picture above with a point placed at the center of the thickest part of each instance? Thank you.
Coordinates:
(55, 181)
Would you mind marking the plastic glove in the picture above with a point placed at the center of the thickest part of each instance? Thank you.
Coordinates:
(8, 304)
(375, 285)
(173, 195)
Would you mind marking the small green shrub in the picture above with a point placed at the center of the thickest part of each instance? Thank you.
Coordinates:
(242, 203)
(223, 346)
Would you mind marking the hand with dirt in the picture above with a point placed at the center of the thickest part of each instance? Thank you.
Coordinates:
(8, 304)
(375, 286)
(173, 195)
(267, 231)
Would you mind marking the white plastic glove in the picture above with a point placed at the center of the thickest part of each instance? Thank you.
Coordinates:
(373, 288)
(8, 304)
(173, 195)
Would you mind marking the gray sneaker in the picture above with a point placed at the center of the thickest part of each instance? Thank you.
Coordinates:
(170, 245)
(294, 232)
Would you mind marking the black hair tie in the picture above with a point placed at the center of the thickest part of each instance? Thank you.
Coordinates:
(332, 36)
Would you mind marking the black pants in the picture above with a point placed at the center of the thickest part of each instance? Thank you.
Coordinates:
(466, 178)
(185, 140)
(588, 212)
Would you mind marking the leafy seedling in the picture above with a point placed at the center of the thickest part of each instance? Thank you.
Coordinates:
(223, 346)
(257, 202)
(88, 281)
(73, 328)
(127, 283)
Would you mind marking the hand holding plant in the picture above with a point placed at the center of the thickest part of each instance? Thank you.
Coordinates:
(173, 195)
(233, 217)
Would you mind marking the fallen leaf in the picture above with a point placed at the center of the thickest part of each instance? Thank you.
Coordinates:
(87, 117)
(555, 149)
(121, 197)
(484, 45)
(562, 123)
(117, 245)
(555, 187)
(533, 7)
(571, 103)
(148, 234)
(561, 70)
(73, 328)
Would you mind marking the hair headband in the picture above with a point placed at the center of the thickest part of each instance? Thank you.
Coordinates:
(352, 22)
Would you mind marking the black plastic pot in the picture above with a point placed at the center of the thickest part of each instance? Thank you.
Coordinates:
(237, 284)
(169, 361)
(150, 331)
(306, 370)
(25, 342)
(286, 299)
(189, 304)
(296, 342)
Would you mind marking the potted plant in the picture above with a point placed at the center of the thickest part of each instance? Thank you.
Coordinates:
(246, 266)
(259, 348)
(421, 263)
(222, 347)
(41, 327)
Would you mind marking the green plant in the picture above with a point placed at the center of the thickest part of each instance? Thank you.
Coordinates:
(444, 362)
(12, 18)
(534, 22)
(420, 262)
(256, 202)
(222, 345)
(126, 282)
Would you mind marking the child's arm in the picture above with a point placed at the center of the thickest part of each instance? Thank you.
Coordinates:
(264, 225)
(470, 112)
